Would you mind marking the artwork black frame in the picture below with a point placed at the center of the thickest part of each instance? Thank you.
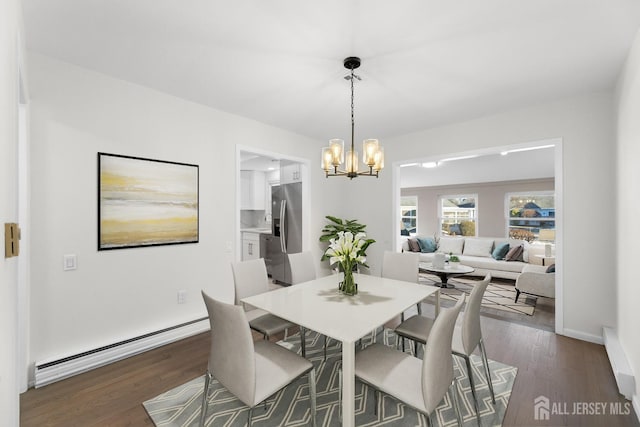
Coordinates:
(146, 202)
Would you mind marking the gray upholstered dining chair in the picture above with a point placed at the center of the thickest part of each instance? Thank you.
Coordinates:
(251, 371)
(303, 269)
(250, 278)
(420, 384)
(466, 338)
(401, 266)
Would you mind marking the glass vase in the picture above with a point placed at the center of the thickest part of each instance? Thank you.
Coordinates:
(348, 286)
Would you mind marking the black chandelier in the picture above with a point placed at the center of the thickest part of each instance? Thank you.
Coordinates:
(372, 152)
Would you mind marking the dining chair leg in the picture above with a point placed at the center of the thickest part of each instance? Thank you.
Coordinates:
(487, 371)
(467, 360)
(453, 390)
(374, 333)
(203, 410)
(428, 418)
(303, 341)
(250, 417)
(325, 348)
(340, 393)
(376, 400)
(312, 395)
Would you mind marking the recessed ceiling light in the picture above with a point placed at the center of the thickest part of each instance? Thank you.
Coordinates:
(459, 158)
(518, 150)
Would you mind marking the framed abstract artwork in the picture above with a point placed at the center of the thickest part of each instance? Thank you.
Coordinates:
(145, 202)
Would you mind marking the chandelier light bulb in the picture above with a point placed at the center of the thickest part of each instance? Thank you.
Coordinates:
(369, 151)
(379, 160)
(327, 159)
(352, 161)
(337, 150)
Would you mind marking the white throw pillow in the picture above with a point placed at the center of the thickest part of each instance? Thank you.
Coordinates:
(451, 245)
(477, 247)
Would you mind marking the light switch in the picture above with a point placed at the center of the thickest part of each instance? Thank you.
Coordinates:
(70, 262)
(182, 296)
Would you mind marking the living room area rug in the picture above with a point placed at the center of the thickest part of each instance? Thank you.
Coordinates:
(500, 294)
(180, 407)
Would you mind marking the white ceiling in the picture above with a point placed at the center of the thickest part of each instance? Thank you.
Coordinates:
(495, 167)
(425, 63)
(258, 162)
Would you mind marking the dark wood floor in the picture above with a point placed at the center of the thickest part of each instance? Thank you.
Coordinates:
(563, 369)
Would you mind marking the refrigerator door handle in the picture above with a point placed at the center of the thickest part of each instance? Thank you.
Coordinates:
(283, 227)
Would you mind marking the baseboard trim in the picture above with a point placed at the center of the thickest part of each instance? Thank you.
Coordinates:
(571, 333)
(619, 364)
(47, 372)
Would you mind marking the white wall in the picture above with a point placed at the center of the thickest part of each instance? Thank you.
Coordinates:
(9, 41)
(585, 125)
(122, 293)
(628, 133)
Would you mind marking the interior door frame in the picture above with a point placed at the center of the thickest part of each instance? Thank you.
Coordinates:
(23, 291)
(306, 193)
(559, 201)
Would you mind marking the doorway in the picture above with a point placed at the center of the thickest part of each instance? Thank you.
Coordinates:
(462, 171)
(264, 179)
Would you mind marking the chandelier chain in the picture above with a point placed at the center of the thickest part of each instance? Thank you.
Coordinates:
(352, 108)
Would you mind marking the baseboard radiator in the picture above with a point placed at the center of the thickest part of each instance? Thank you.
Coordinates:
(51, 371)
(619, 364)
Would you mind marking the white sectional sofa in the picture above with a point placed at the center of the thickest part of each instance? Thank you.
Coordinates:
(536, 280)
(477, 252)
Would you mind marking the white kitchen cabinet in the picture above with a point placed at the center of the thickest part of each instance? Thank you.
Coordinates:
(290, 172)
(250, 246)
(252, 190)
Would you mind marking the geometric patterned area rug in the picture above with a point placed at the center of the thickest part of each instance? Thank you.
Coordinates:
(180, 407)
(499, 296)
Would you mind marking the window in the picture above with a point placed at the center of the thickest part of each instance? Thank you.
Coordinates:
(408, 215)
(532, 216)
(458, 215)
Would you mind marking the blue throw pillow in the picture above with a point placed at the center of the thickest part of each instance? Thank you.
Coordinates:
(500, 251)
(427, 244)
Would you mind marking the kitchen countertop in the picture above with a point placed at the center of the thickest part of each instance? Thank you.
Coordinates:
(262, 230)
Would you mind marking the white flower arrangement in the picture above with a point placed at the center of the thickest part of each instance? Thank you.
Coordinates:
(347, 250)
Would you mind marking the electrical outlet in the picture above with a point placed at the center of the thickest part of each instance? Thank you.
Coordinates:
(228, 247)
(182, 296)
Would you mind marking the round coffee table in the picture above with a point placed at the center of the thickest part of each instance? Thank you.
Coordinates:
(445, 273)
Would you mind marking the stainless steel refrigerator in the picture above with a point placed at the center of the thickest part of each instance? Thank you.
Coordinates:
(286, 227)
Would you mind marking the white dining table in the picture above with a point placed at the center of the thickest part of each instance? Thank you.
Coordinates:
(319, 306)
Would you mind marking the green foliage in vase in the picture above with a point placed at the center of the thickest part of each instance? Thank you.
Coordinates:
(336, 225)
